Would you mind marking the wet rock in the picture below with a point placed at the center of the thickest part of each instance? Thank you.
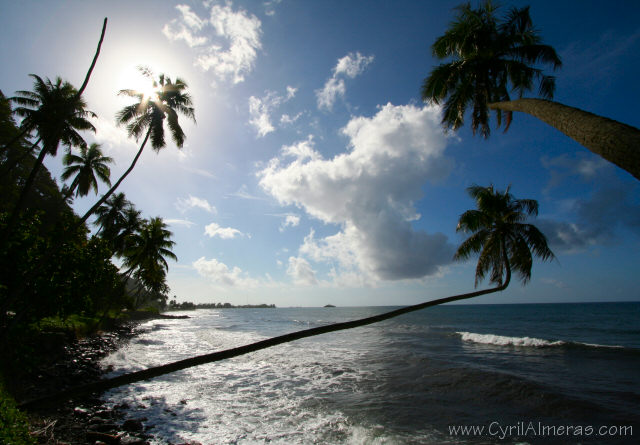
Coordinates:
(80, 412)
(103, 427)
(132, 425)
(108, 439)
(132, 440)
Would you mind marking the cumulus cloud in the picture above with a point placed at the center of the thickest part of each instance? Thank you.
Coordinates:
(183, 205)
(260, 109)
(351, 65)
(220, 274)
(369, 191)
(301, 271)
(227, 43)
(213, 230)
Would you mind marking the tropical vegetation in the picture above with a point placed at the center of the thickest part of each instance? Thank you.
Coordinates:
(491, 56)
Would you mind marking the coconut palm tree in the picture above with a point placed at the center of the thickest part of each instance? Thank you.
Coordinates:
(150, 247)
(57, 113)
(129, 224)
(84, 168)
(147, 117)
(111, 217)
(489, 57)
(501, 236)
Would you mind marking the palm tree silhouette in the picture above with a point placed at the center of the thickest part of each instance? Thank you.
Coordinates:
(489, 57)
(500, 235)
(110, 216)
(505, 243)
(57, 113)
(146, 254)
(148, 116)
(84, 168)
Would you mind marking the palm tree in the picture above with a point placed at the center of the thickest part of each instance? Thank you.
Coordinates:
(505, 243)
(57, 113)
(490, 57)
(501, 237)
(146, 254)
(85, 167)
(111, 217)
(149, 247)
(29, 126)
(148, 116)
(130, 224)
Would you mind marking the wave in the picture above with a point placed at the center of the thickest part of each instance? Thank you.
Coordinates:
(501, 340)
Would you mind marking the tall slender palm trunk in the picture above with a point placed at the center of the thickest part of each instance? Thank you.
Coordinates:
(116, 185)
(614, 141)
(157, 371)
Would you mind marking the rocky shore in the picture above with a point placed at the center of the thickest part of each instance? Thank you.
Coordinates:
(86, 420)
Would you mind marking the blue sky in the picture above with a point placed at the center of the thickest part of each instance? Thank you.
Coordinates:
(315, 174)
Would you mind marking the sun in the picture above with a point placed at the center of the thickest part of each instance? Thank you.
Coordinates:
(132, 79)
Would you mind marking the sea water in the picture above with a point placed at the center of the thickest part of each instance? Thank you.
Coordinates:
(525, 373)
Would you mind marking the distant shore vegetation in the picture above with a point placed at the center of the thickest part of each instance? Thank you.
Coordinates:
(187, 305)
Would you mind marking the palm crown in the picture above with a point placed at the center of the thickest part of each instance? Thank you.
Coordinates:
(501, 236)
(149, 113)
(489, 57)
(55, 112)
(85, 167)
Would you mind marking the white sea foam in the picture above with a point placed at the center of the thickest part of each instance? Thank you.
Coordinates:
(500, 340)
(279, 395)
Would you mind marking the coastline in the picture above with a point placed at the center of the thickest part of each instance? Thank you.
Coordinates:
(82, 420)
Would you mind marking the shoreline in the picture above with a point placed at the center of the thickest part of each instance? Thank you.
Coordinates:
(82, 420)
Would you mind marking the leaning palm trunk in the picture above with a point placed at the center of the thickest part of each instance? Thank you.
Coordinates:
(116, 185)
(614, 141)
(146, 374)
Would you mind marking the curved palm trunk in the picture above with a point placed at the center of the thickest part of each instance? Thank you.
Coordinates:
(157, 371)
(95, 59)
(614, 141)
(116, 185)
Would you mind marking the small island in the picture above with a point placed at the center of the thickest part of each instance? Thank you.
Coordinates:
(329, 305)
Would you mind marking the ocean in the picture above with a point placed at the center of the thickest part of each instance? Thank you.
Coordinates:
(454, 374)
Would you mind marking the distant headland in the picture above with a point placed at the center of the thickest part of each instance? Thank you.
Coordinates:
(187, 305)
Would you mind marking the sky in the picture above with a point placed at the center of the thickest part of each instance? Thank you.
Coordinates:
(314, 173)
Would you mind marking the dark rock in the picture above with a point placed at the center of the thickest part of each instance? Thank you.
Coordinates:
(109, 439)
(132, 425)
(103, 427)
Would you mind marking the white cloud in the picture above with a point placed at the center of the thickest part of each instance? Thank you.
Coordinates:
(260, 109)
(351, 65)
(191, 202)
(290, 221)
(199, 171)
(285, 119)
(369, 191)
(302, 150)
(180, 222)
(333, 89)
(185, 27)
(219, 273)
(226, 43)
(213, 230)
(301, 271)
